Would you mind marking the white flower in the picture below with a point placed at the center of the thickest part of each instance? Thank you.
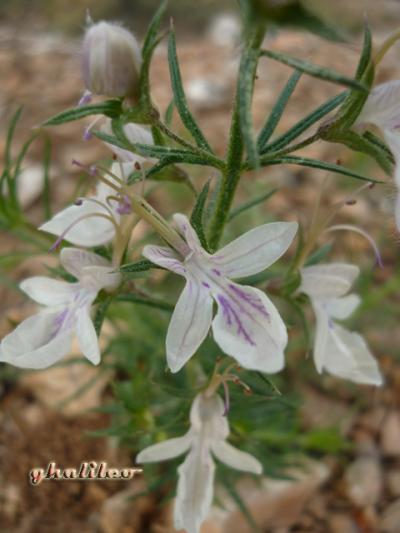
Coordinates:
(382, 109)
(338, 351)
(206, 437)
(43, 339)
(247, 325)
(88, 223)
(111, 60)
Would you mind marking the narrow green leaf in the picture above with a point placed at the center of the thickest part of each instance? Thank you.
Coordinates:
(10, 134)
(109, 108)
(315, 163)
(138, 266)
(169, 113)
(196, 218)
(247, 72)
(46, 179)
(305, 123)
(150, 43)
(365, 57)
(315, 71)
(278, 109)
(153, 29)
(251, 203)
(180, 98)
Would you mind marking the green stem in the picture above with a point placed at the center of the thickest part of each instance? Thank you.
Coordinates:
(230, 179)
(232, 172)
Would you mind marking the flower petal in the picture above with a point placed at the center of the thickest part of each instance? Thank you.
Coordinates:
(74, 260)
(324, 281)
(341, 308)
(95, 278)
(347, 356)
(189, 325)
(393, 140)
(256, 250)
(234, 458)
(249, 328)
(38, 342)
(187, 231)
(164, 257)
(86, 335)
(195, 490)
(168, 449)
(382, 106)
(92, 231)
(321, 335)
(48, 291)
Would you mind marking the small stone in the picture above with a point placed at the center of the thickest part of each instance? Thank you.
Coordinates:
(390, 522)
(364, 481)
(393, 482)
(342, 523)
(390, 434)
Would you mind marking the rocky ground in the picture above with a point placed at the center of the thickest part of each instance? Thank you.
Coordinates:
(356, 492)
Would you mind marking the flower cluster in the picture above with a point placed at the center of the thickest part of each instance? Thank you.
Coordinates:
(245, 324)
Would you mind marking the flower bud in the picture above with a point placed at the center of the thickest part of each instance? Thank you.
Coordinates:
(111, 60)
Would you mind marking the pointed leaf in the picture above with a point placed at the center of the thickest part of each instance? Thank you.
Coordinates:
(196, 219)
(109, 108)
(315, 71)
(278, 109)
(180, 98)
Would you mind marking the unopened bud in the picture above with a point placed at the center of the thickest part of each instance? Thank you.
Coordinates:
(111, 60)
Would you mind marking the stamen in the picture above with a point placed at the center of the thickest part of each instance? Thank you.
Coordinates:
(93, 171)
(362, 232)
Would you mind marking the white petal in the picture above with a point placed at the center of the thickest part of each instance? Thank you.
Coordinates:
(95, 278)
(209, 411)
(393, 140)
(323, 324)
(382, 106)
(189, 325)
(256, 250)
(37, 342)
(92, 231)
(86, 335)
(162, 451)
(347, 356)
(341, 308)
(235, 458)
(323, 281)
(187, 231)
(195, 490)
(164, 257)
(74, 260)
(48, 291)
(249, 328)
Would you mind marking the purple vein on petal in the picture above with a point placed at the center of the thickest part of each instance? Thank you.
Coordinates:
(251, 299)
(231, 316)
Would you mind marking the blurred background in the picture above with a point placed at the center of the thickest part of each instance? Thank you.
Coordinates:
(352, 484)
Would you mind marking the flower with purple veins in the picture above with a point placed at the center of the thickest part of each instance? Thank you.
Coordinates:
(247, 326)
(44, 338)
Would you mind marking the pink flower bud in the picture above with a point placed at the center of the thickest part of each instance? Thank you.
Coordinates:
(111, 60)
